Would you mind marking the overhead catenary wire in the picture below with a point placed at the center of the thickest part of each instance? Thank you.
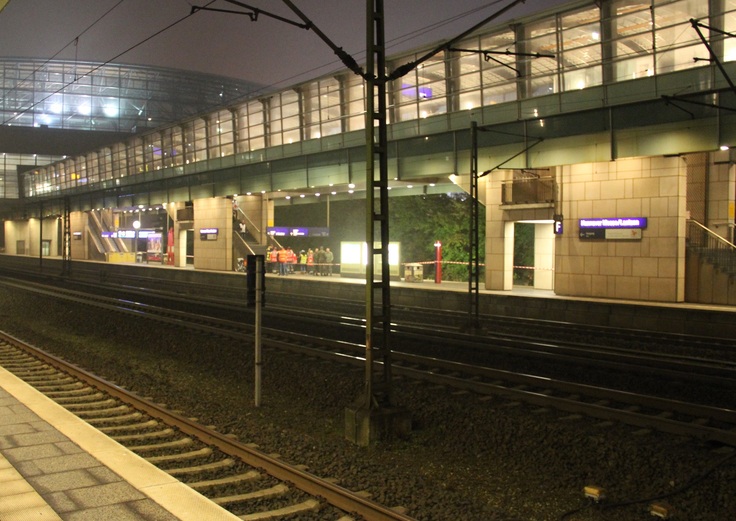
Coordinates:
(98, 67)
(74, 41)
(392, 43)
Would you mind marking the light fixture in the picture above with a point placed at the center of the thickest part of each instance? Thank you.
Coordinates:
(660, 510)
(594, 492)
(725, 147)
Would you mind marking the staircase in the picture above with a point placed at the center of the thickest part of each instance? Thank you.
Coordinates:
(710, 267)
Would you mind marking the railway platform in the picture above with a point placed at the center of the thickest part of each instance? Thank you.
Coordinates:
(55, 466)
(705, 320)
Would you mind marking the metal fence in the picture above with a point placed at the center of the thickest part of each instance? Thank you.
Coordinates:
(528, 191)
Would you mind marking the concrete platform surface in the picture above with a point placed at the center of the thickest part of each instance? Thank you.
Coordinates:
(54, 466)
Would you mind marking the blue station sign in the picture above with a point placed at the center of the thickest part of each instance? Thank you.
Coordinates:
(613, 223)
(620, 228)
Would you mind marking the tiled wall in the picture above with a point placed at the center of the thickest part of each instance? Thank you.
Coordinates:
(216, 212)
(652, 268)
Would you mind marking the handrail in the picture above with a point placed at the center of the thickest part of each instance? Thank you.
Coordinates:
(243, 242)
(712, 234)
(712, 246)
(256, 228)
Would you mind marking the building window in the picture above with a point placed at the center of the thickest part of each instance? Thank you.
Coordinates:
(284, 122)
(355, 102)
(540, 73)
(729, 25)
(580, 49)
(633, 40)
(422, 92)
(152, 152)
(499, 72)
(677, 42)
(221, 134)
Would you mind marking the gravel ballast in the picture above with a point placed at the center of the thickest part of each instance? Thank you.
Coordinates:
(468, 458)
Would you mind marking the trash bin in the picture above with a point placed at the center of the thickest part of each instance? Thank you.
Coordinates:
(413, 272)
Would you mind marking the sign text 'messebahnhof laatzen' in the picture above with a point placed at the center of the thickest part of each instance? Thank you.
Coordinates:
(612, 228)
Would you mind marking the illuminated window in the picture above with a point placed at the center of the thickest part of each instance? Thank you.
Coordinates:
(678, 43)
(633, 49)
(729, 25)
(581, 49)
(355, 100)
(540, 73)
(498, 76)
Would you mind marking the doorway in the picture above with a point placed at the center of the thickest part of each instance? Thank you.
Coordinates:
(530, 257)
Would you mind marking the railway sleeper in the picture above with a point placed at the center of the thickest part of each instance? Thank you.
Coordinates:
(168, 445)
(112, 412)
(114, 419)
(64, 383)
(22, 370)
(251, 475)
(167, 458)
(70, 393)
(74, 384)
(277, 490)
(123, 438)
(51, 377)
(149, 424)
(310, 505)
(208, 467)
(90, 406)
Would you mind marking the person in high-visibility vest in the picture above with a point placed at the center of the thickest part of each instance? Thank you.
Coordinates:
(291, 259)
(283, 259)
(310, 261)
(273, 259)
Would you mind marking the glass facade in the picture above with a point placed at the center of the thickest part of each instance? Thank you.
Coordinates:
(580, 46)
(117, 98)
(94, 97)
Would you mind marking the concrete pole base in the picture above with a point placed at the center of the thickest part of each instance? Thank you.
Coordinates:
(367, 425)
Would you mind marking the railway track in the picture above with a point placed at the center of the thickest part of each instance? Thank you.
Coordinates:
(253, 485)
(224, 299)
(646, 411)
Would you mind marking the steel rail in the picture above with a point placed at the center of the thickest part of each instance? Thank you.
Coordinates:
(333, 494)
(288, 340)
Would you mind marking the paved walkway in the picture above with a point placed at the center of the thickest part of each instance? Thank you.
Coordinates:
(54, 466)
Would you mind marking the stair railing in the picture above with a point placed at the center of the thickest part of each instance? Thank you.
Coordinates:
(711, 246)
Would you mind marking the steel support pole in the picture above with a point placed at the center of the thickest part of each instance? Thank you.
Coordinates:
(474, 239)
(66, 249)
(258, 332)
(378, 302)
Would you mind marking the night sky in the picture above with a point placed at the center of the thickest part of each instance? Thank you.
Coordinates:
(268, 52)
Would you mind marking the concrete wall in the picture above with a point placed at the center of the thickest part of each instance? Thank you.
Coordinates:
(78, 224)
(27, 232)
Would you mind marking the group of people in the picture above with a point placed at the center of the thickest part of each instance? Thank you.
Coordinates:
(285, 261)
